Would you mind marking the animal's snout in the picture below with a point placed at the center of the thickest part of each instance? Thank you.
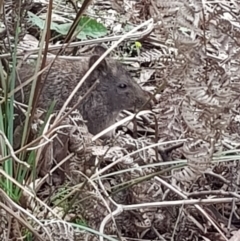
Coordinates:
(143, 101)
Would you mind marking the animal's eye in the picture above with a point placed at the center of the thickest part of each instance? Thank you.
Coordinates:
(122, 86)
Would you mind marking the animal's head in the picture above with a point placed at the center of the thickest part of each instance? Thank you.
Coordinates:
(118, 88)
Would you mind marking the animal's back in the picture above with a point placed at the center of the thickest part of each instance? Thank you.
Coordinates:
(61, 80)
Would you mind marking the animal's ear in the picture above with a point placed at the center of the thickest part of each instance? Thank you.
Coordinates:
(99, 50)
(102, 66)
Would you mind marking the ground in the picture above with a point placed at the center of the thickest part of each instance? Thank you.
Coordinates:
(173, 173)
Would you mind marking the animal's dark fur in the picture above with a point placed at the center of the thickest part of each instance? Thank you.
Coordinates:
(115, 92)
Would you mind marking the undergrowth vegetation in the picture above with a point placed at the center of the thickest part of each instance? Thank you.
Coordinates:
(171, 173)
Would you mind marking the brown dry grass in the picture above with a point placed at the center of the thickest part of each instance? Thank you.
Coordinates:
(178, 180)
